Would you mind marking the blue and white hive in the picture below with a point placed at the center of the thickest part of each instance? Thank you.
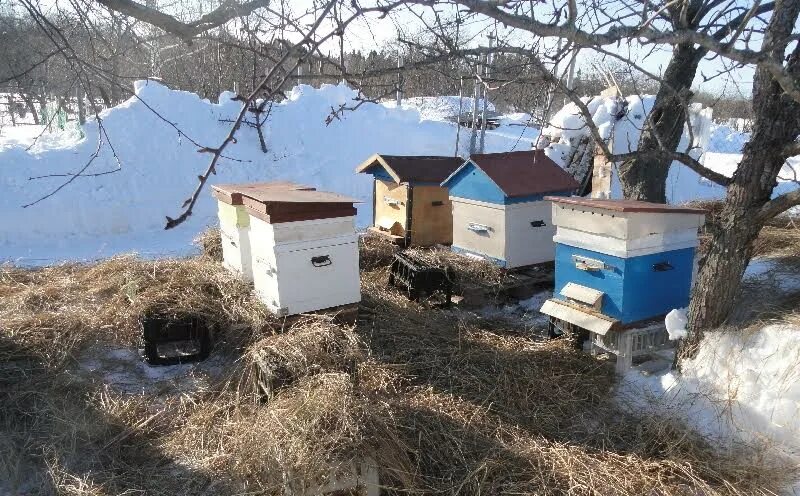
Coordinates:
(499, 209)
(621, 262)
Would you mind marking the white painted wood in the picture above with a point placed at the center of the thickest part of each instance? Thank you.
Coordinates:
(235, 237)
(469, 213)
(568, 313)
(236, 255)
(626, 248)
(588, 296)
(304, 230)
(525, 244)
(287, 281)
(623, 225)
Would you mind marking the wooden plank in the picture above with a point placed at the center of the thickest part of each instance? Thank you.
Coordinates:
(431, 216)
(391, 202)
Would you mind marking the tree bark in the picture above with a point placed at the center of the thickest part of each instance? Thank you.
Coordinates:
(777, 123)
(645, 177)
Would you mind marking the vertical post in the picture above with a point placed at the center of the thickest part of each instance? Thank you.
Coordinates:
(460, 110)
(475, 96)
(11, 109)
(571, 73)
(399, 80)
(486, 72)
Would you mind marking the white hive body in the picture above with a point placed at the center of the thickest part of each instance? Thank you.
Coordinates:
(297, 245)
(234, 227)
(304, 266)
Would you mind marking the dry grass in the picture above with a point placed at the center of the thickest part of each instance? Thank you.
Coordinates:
(210, 243)
(375, 251)
(440, 401)
(470, 271)
(312, 346)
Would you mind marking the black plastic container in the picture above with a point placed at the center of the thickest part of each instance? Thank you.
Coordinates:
(420, 279)
(171, 340)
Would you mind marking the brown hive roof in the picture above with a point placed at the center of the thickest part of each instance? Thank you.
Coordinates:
(422, 169)
(524, 173)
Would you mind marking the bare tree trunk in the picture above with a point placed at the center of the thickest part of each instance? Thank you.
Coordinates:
(645, 177)
(11, 110)
(777, 123)
(26, 97)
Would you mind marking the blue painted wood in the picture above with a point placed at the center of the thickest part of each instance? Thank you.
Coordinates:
(633, 290)
(648, 292)
(473, 184)
(609, 282)
(379, 172)
(464, 251)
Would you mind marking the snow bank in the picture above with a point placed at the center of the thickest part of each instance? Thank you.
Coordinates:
(125, 210)
(441, 108)
(620, 122)
(742, 387)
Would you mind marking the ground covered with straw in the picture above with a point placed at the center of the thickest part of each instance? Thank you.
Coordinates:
(439, 401)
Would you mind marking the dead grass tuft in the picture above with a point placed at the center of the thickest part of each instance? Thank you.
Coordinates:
(210, 243)
(52, 310)
(311, 346)
(375, 251)
(470, 271)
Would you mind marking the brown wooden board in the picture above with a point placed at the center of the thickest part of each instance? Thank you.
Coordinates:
(232, 193)
(431, 216)
(411, 168)
(524, 173)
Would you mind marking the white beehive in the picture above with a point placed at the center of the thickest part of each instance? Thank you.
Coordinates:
(304, 249)
(234, 224)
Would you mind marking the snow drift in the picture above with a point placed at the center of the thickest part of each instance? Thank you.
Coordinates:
(741, 387)
(125, 210)
(620, 122)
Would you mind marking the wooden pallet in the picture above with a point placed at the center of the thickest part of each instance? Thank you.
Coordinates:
(398, 240)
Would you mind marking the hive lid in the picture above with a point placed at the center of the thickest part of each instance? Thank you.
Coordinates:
(626, 205)
(232, 193)
(288, 204)
(410, 168)
(523, 173)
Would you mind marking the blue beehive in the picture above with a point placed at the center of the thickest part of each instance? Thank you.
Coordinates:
(621, 262)
(499, 210)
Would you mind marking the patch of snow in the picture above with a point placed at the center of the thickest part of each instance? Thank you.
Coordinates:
(124, 371)
(741, 388)
(441, 108)
(620, 122)
(675, 322)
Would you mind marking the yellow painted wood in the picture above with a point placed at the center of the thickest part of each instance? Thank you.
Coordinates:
(233, 215)
(391, 202)
(431, 224)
